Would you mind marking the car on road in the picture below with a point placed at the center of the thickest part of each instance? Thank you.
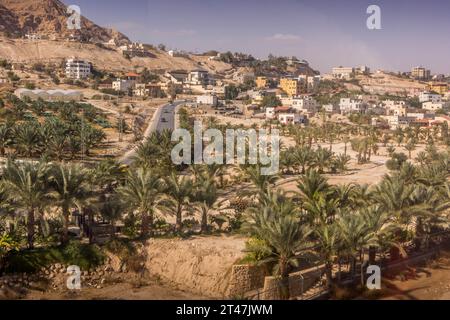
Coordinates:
(163, 120)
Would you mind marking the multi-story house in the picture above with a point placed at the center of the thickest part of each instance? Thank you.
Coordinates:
(77, 69)
(429, 96)
(420, 73)
(305, 104)
(292, 86)
(438, 87)
(343, 72)
(198, 77)
(348, 105)
(125, 83)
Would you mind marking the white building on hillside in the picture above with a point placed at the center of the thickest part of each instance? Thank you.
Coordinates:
(291, 118)
(270, 113)
(77, 69)
(429, 96)
(305, 104)
(348, 105)
(434, 106)
(123, 84)
(331, 108)
(343, 72)
(207, 99)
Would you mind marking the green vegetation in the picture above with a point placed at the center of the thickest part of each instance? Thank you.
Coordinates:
(58, 136)
(74, 253)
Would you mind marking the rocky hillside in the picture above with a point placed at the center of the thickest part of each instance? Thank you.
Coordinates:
(48, 17)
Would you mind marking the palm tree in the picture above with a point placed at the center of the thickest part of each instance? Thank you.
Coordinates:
(112, 209)
(285, 237)
(422, 158)
(180, 191)
(397, 198)
(27, 138)
(142, 193)
(70, 189)
(311, 185)
(410, 146)
(328, 241)
(258, 180)
(25, 184)
(302, 157)
(207, 199)
(355, 236)
(381, 227)
(322, 158)
(5, 138)
(341, 161)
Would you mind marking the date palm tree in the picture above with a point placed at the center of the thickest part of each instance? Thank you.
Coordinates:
(112, 209)
(71, 189)
(206, 197)
(302, 157)
(5, 138)
(27, 139)
(180, 191)
(284, 236)
(311, 185)
(322, 158)
(26, 187)
(328, 240)
(410, 147)
(142, 193)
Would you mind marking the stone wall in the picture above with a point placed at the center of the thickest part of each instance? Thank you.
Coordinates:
(245, 278)
(299, 282)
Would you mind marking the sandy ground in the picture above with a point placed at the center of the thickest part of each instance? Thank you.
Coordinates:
(431, 282)
(28, 51)
(152, 290)
(385, 83)
(368, 173)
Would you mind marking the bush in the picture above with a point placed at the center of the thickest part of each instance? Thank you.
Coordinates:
(257, 250)
(75, 253)
(30, 86)
(396, 161)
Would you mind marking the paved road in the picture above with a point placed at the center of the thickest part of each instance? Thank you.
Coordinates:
(164, 118)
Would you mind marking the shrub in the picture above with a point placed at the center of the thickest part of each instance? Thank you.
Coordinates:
(74, 253)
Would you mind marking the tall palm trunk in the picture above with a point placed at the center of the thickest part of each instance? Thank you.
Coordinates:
(144, 225)
(284, 283)
(372, 254)
(30, 228)
(204, 223)
(329, 274)
(66, 215)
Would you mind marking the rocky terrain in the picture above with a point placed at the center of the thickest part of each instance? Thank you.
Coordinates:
(48, 17)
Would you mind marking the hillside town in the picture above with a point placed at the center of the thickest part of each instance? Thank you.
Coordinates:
(88, 127)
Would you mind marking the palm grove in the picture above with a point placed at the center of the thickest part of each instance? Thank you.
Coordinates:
(338, 224)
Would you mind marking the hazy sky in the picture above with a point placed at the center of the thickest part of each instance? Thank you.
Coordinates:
(324, 32)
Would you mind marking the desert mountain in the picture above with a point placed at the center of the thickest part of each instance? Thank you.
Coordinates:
(48, 17)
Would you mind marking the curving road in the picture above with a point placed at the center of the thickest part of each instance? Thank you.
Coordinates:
(164, 118)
